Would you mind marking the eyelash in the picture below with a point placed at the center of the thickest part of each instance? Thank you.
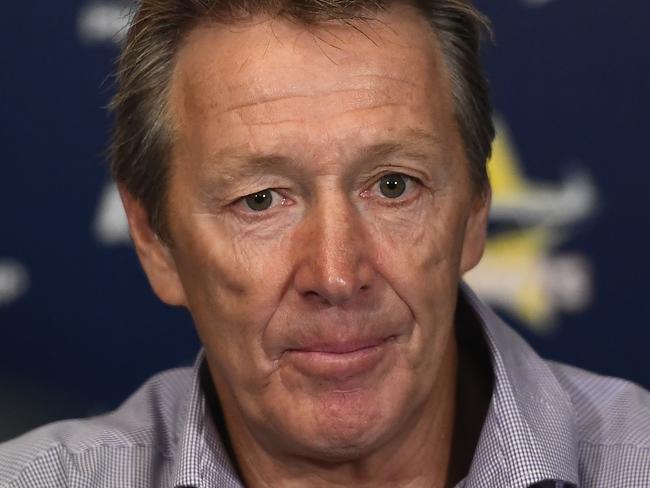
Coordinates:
(283, 200)
(404, 199)
(279, 200)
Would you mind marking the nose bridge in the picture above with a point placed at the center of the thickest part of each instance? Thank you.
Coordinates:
(339, 234)
(334, 264)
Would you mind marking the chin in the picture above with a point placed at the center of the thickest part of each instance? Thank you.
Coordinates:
(347, 425)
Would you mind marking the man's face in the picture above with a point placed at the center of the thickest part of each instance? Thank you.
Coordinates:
(321, 215)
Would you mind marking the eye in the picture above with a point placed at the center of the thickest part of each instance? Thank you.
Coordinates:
(259, 201)
(393, 185)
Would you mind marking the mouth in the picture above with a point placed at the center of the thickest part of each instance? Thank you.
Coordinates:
(337, 361)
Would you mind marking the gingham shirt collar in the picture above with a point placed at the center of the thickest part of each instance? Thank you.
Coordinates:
(201, 460)
(528, 437)
(530, 431)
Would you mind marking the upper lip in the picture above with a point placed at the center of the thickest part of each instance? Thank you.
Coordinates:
(340, 346)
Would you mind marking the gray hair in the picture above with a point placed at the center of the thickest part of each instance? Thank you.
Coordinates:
(142, 134)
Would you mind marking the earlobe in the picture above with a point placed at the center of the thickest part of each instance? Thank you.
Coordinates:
(155, 256)
(476, 231)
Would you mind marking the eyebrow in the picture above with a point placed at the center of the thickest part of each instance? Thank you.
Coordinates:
(232, 163)
(415, 144)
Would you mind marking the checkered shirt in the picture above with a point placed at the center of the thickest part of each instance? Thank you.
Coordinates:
(548, 426)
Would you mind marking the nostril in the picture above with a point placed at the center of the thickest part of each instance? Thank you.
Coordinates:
(315, 298)
(329, 275)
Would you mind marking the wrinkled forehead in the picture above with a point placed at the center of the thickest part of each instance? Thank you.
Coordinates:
(222, 68)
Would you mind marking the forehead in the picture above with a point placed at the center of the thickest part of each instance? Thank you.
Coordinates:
(275, 72)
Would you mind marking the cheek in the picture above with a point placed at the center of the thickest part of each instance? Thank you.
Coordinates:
(422, 245)
(230, 264)
(233, 282)
(419, 256)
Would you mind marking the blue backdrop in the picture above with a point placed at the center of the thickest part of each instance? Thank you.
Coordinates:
(567, 261)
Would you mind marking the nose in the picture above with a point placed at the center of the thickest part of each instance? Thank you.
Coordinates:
(333, 255)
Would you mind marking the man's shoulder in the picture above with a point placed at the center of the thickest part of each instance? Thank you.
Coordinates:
(609, 411)
(142, 431)
(612, 423)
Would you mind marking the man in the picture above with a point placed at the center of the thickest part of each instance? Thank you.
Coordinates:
(308, 180)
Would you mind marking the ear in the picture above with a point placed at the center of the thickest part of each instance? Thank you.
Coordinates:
(154, 254)
(476, 231)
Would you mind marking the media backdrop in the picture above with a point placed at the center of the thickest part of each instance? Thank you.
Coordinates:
(567, 261)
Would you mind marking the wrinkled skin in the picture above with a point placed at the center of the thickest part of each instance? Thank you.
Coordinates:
(319, 114)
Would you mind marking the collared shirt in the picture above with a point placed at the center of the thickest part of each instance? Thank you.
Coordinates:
(547, 425)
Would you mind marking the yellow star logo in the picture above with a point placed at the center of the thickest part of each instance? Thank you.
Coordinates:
(520, 272)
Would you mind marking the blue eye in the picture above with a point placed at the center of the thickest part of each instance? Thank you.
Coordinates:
(392, 185)
(262, 200)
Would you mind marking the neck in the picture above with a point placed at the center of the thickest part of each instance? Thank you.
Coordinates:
(418, 456)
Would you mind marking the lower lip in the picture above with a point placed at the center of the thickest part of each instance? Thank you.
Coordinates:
(339, 366)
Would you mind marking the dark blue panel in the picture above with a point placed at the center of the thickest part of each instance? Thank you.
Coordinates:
(571, 83)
